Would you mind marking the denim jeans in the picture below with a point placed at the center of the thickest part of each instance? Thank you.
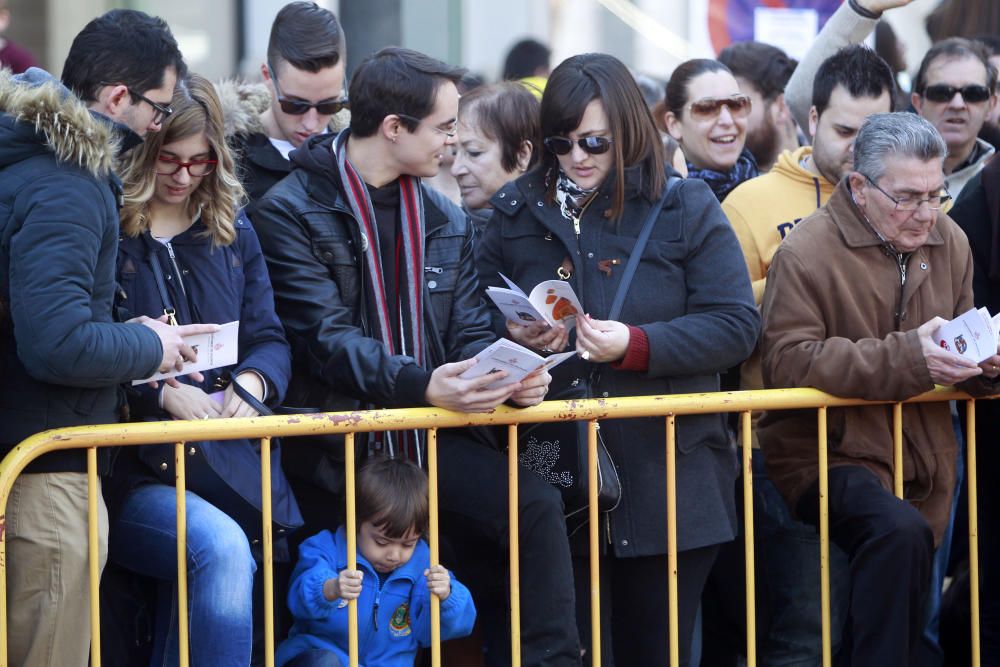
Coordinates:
(788, 581)
(220, 574)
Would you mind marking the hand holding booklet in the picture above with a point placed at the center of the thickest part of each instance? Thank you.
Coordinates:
(517, 360)
(214, 350)
(973, 334)
(551, 301)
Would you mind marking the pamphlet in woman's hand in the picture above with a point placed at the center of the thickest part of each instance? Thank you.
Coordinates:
(973, 334)
(214, 350)
(517, 360)
(551, 301)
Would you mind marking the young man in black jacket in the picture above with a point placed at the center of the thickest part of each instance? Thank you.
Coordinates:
(375, 283)
(62, 353)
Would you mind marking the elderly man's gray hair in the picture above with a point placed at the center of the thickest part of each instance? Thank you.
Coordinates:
(903, 134)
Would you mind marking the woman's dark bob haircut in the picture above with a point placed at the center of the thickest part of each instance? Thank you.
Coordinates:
(574, 84)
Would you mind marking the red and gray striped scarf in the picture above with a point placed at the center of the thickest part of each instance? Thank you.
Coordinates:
(409, 305)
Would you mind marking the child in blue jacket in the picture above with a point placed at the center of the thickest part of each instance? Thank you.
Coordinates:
(393, 582)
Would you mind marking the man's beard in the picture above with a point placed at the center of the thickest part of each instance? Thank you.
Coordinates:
(764, 143)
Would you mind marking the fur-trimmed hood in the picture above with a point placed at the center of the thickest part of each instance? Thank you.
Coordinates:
(38, 114)
(243, 103)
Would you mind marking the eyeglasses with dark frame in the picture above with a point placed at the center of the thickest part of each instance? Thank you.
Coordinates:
(168, 166)
(450, 132)
(591, 145)
(910, 204)
(292, 107)
(160, 112)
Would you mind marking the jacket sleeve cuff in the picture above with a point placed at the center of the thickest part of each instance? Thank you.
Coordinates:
(637, 355)
(411, 386)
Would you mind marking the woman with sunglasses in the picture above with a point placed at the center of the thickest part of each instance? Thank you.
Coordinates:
(186, 251)
(707, 114)
(688, 313)
(497, 139)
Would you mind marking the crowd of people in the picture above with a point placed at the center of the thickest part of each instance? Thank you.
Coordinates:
(752, 223)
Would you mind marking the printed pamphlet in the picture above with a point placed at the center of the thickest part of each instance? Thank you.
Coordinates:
(973, 334)
(517, 360)
(552, 301)
(214, 350)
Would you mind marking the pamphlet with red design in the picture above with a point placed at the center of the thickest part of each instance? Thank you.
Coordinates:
(517, 360)
(551, 301)
(973, 334)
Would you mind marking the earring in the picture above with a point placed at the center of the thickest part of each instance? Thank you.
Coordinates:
(394, 138)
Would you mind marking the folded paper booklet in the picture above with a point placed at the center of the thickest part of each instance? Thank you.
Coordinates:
(552, 301)
(214, 350)
(973, 334)
(517, 360)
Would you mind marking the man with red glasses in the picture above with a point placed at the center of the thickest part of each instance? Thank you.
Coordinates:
(302, 96)
(955, 89)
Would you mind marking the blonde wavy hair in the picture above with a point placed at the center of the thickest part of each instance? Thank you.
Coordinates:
(218, 197)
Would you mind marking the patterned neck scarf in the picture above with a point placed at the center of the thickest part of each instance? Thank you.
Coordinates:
(571, 197)
(722, 183)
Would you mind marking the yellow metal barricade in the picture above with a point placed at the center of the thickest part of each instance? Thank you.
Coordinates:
(433, 419)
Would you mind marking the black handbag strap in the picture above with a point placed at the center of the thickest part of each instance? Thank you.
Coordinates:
(161, 287)
(250, 399)
(640, 245)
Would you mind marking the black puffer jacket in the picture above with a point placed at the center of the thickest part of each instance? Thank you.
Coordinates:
(312, 244)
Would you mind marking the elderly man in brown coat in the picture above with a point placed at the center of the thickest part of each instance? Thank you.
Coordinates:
(853, 295)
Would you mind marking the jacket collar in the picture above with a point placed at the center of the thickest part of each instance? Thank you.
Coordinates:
(852, 225)
(58, 121)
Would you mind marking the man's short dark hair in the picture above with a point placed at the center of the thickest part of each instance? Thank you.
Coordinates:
(859, 70)
(525, 58)
(122, 46)
(306, 36)
(952, 48)
(396, 81)
(766, 67)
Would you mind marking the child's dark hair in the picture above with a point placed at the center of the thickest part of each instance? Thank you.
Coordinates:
(392, 495)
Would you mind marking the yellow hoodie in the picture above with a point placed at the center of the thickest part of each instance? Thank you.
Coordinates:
(762, 212)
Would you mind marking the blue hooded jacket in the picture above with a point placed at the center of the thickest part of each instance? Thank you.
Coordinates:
(394, 619)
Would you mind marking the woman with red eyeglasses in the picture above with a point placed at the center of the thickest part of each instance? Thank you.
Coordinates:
(707, 114)
(187, 253)
(687, 313)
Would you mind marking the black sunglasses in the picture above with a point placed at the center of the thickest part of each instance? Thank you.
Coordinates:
(592, 145)
(160, 112)
(942, 92)
(300, 107)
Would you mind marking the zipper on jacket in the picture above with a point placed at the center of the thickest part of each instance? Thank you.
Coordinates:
(433, 269)
(177, 270)
(378, 598)
(901, 261)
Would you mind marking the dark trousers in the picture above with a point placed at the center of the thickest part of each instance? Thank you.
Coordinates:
(472, 482)
(635, 606)
(890, 548)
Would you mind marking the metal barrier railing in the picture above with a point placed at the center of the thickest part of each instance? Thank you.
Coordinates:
(432, 419)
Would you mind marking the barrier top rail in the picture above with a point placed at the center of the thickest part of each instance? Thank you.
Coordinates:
(111, 435)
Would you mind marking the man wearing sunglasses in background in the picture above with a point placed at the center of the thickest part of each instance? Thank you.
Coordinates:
(955, 90)
(302, 94)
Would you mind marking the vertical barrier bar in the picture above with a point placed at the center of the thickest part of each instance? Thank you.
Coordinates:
(897, 449)
(748, 538)
(95, 558)
(973, 490)
(268, 564)
(515, 550)
(595, 547)
(180, 485)
(672, 539)
(432, 506)
(352, 546)
(824, 537)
